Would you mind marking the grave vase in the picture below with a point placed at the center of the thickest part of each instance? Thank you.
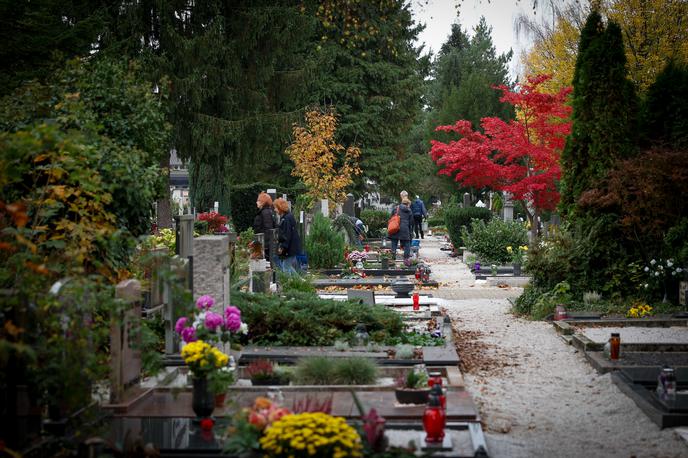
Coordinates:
(517, 269)
(203, 400)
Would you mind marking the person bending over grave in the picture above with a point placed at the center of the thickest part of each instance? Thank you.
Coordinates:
(360, 230)
(264, 221)
(289, 241)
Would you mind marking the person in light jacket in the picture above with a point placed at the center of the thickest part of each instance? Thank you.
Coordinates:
(264, 221)
(405, 229)
(289, 240)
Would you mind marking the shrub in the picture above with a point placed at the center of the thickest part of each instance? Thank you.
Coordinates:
(290, 283)
(325, 247)
(456, 219)
(376, 221)
(316, 370)
(355, 371)
(307, 320)
(489, 240)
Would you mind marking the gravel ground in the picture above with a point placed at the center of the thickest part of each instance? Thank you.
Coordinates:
(538, 397)
(630, 334)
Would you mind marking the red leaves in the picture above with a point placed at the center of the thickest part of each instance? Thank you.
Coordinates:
(520, 156)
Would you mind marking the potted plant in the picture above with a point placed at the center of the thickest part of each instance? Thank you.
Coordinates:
(517, 258)
(219, 381)
(203, 360)
(264, 372)
(385, 258)
(413, 388)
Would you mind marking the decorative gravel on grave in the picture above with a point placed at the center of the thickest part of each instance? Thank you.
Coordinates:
(633, 334)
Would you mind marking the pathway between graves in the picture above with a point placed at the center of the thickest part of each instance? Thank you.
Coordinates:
(537, 395)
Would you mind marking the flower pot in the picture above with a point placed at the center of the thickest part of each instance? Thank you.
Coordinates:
(384, 263)
(517, 270)
(203, 400)
(269, 381)
(402, 287)
(412, 396)
(220, 399)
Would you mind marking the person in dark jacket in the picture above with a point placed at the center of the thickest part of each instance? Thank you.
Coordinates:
(405, 229)
(419, 212)
(264, 220)
(289, 240)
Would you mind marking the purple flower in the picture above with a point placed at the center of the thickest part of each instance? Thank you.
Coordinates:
(181, 323)
(205, 302)
(231, 310)
(233, 322)
(189, 335)
(213, 320)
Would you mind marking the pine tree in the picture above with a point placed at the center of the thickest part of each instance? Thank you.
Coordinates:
(604, 111)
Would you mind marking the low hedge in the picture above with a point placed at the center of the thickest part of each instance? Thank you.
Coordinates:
(376, 220)
(303, 319)
(457, 218)
(488, 241)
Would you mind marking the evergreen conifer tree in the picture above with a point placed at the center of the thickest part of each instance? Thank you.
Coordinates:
(604, 111)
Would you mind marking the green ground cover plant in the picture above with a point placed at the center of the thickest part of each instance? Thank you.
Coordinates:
(303, 319)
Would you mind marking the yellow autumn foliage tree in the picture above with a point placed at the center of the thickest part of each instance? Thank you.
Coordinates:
(654, 32)
(324, 166)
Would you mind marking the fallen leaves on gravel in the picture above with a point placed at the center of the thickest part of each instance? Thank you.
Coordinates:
(478, 357)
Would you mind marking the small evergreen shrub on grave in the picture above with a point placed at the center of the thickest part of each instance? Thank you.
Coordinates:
(489, 240)
(457, 219)
(376, 221)
(324, 245)
(304, 319)
(295, 283)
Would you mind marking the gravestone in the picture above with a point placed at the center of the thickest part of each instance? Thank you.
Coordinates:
(211, 268)
(362, 296)
(466, 200)
(683, 293)
(508, 207)
(125, 354)
(185, 242)
(349, 205)
(179, 271)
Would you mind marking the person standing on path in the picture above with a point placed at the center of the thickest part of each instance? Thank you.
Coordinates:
(289, 241)
(264, 221)
(405, 229)
(419, 212)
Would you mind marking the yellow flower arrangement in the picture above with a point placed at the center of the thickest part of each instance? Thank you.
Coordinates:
(202, 358)
(517, 255)
(311, 434)
(639, 311)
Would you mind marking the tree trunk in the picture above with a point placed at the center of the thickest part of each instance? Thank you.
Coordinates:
(164, 217)
(534, 225)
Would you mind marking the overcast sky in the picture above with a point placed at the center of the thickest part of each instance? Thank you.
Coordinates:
(438, 16)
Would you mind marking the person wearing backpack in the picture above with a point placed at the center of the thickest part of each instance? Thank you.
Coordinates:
(405, 230)
(419, 212)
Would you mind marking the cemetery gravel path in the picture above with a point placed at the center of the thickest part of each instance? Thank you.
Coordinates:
(537, 396)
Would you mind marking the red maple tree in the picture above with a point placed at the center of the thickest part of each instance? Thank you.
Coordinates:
(520, 156)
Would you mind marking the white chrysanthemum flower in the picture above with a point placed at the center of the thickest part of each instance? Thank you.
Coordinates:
(679, 270)
(653, 262)
(656, 274)
(661, 267)
(669, 263)
(646, 285)
(243, 329)
(647, 269)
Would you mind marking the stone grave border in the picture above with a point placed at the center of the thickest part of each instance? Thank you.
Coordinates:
(642, 394)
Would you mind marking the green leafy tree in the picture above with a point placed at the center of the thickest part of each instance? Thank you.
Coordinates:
(604, 111)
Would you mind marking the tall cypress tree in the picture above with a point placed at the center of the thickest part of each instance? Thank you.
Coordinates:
(604, 111)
